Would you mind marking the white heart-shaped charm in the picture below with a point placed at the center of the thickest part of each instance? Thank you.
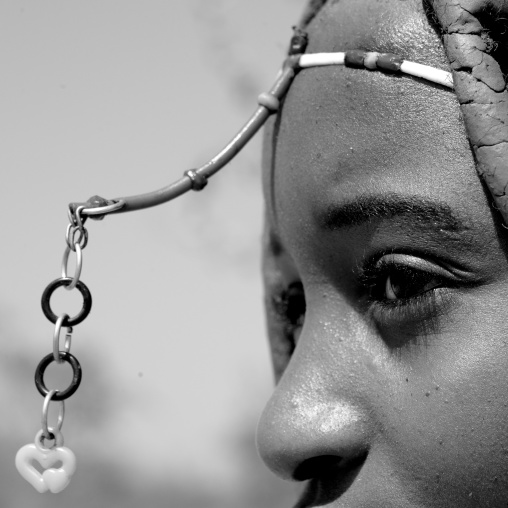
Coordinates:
(52, 479)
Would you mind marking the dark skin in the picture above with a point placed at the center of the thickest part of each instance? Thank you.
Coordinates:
(393, 392)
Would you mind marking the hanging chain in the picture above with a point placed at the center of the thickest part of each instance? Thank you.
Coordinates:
(48, 448)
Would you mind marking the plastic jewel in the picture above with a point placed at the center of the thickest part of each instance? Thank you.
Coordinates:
(54, 479)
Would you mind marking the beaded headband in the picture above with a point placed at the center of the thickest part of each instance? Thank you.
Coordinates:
(378, 61)
(371, 60)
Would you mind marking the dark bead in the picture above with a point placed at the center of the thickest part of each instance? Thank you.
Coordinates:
(97, 201)
(389, 62)
(298, 42)
(198, 181)
(354, 58)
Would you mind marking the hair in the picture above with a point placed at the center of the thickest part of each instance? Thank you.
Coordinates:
(312, 8)
(475, 37)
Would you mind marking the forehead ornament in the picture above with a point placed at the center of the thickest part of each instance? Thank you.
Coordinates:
(56, 479)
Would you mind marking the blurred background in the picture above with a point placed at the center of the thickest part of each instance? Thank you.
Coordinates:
(119, 97)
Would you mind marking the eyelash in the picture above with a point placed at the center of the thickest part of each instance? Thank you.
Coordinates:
(425, 305)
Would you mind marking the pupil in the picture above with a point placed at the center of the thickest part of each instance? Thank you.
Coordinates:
(392, 289)
(402, 286)
(406, 285)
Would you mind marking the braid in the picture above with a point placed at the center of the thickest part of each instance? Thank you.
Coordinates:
(477, 60)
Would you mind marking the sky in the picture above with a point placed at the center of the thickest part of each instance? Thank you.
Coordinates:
(118, 98)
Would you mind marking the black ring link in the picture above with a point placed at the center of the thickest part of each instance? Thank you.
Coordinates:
(66, 281)
(76, 376)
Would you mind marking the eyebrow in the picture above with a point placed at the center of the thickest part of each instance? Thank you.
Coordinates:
(366, 208)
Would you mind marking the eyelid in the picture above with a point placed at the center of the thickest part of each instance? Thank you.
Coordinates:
(424, 263)
(414, 262)
(376, 269)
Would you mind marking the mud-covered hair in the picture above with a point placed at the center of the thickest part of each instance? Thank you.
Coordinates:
(475, 38)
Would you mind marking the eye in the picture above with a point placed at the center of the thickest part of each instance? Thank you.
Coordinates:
(294, 298)
(406, 295)
(290, 306)
(396, 279)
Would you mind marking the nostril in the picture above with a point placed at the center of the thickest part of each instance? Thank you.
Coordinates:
(316, 467)
(330, 476)
(326, 465)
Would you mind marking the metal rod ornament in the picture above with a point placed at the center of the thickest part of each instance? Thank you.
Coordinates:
(97, 208)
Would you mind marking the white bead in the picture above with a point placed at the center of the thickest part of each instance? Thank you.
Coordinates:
(432, 74)
(318, 59)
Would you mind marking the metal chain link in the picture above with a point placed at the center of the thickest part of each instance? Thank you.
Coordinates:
(46, 432)
(76, 238)
(79, 265)
(56, 338)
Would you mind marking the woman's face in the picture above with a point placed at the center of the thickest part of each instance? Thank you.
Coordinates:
(395, 394)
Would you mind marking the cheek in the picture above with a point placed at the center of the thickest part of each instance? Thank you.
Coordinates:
(436, 412)
(445, 408)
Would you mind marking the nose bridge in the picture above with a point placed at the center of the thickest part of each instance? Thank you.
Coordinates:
(320, 406)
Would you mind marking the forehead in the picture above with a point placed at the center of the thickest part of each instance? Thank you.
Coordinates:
(346, 132)
(396, 26)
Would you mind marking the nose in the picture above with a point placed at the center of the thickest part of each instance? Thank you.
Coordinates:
(318, 416)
